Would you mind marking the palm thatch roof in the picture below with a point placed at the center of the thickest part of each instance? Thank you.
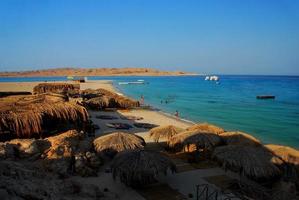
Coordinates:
(253, 162)
(239, 138)
(206, 128)
(176, 141)
(125, 102)
(98, 99)
(97, 102)
(61, 88)
(117, 142)
(105, 92)
(8, 93)
(165, 132)
(287, 154)
(137, 168)
(203, 140)
(30, 115)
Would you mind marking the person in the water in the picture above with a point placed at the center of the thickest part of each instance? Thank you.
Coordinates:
(176, 114)
(142, 99)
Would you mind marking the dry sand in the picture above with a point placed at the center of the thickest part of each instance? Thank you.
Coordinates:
(184, 182)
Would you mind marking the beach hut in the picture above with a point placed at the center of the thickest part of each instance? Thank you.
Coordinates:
(34, 115)
(138, 168)
(165, 132)
(206, 128)
(116, 142)
(253, 162)
(239, 138)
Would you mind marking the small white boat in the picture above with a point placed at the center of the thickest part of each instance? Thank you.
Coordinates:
(207, 78)
(214, 78)
(140, 80)
(132, 82)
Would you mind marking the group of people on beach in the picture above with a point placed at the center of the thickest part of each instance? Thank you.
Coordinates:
(176, 114)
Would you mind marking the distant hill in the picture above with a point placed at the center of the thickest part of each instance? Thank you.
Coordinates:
(95, 72)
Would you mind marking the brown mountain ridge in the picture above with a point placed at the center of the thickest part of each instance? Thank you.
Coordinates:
(95, 72)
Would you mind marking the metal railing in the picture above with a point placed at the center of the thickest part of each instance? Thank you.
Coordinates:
(206, 192)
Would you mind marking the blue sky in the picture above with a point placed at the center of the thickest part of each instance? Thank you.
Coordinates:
(224, 36)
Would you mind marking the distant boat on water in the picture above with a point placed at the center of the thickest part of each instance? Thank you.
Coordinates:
(265, 97)
(132, 82)
(212, 78)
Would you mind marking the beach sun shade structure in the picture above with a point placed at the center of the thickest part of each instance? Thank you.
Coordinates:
(287, 159)
(31, 115)
(176, 141)
(202, 140)
(239, 138)
(116, 142)
(97, 102)
(165, 132)
(205, 127)
(253, 162)
(107, 99)
(198, 138)
(287, 154)
(61, 88)
(138, 168)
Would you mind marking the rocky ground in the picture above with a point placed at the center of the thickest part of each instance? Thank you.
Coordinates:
(42, 168)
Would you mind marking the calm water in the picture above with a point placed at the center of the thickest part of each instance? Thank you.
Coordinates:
(232, 104)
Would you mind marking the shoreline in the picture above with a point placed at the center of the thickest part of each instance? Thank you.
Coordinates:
(165, 118)
(154, 109)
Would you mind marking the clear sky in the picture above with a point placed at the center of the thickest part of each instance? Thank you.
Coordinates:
(224, 36)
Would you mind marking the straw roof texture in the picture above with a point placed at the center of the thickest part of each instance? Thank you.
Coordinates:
(253, 162)
(97, 102)
(117, 142)
(206, 128)
(203, 140)
(55, 88)
(27, 116)
(176, 141)
(98, 99)
(287, 154)
(138, 168)
(165, 132)
(239, 138)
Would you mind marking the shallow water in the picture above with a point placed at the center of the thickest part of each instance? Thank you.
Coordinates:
(232, 104)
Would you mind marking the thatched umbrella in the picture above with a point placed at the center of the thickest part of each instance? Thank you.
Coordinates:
(253, 162)
(116, 142)
(97, 103)
(106, 92)
(101, 98)
(127, 103)
(176, 141)
(55, 88)
(287, 159)
(138, 168)
(206, 128)
(164, 132)
(202, 140)
(239, 138)
(287, 154)
(30, 115)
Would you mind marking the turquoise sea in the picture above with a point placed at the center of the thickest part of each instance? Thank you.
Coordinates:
(232, 104)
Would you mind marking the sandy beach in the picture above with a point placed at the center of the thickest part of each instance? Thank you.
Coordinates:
(176, 183)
